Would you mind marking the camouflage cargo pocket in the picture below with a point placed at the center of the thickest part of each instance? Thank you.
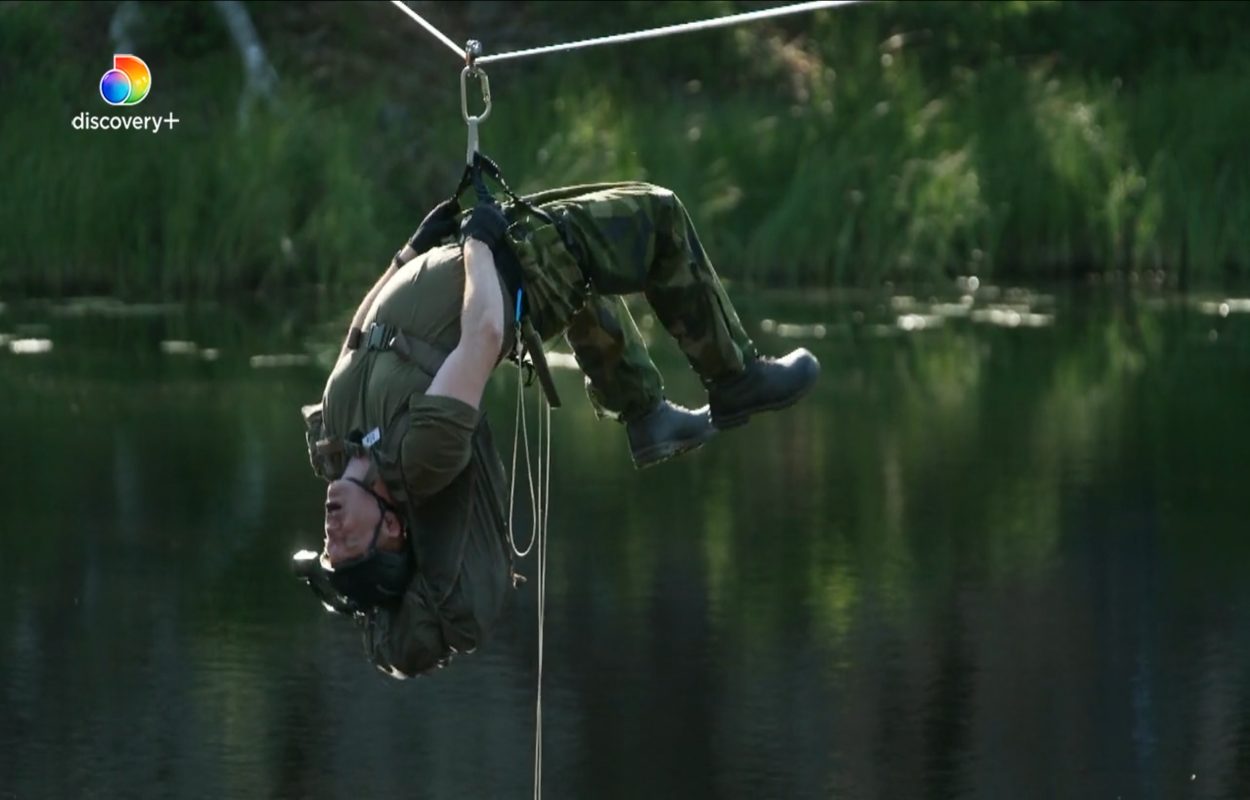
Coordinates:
(323, 462)
(554, 285)
(327, 455)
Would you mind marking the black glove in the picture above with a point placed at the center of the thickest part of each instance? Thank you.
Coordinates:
(438, 225)
(486, 223)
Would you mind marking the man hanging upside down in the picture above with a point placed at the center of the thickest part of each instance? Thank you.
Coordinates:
(416, 544)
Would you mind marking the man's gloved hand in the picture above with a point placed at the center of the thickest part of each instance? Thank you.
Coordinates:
(438, 225)
(486, 223)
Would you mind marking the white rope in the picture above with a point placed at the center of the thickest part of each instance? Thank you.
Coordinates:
(544, 484)
(521, 431)
(435, 31)
(669, 30)
(540, 505)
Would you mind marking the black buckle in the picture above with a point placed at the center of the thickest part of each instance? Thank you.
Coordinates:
(376, 338)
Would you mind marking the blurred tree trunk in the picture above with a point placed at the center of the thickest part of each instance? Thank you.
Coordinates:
(122, 27)
(260, 80)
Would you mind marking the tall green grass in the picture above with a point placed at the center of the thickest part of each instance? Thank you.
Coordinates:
(1002, 171)
(840, 156)
(202, 209)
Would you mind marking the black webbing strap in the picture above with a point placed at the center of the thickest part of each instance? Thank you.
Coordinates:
(510, 269)
(485, 164)
(408, 347)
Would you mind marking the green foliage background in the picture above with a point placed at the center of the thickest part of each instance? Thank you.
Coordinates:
(885, 141)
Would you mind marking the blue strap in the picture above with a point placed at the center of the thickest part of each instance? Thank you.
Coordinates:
(517, 319)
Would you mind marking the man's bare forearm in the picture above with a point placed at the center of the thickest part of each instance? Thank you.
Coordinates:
(481, 315)
(464, 374)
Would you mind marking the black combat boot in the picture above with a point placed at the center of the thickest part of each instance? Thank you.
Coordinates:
(665, 431)
(767, 384)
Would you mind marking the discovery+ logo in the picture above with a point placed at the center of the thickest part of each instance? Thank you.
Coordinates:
(126, 84)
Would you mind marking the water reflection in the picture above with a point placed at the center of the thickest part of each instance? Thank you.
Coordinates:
(983, 561)
(28, 347)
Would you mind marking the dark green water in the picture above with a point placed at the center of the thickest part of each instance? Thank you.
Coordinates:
(982, 561)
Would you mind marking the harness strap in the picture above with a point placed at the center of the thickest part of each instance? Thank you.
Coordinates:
(380, 337)
(486, 164)
(527, 335)
(329, 447)
(534, 346)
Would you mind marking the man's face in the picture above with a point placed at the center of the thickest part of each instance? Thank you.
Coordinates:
(351, 516)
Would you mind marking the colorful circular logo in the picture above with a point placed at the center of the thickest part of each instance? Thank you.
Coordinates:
(127, 83)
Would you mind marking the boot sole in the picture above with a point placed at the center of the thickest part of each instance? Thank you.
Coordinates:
(659, 453)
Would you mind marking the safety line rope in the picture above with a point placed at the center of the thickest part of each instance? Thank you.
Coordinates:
(545, 484)
(540, 504)
(621, 38)
(520, 425)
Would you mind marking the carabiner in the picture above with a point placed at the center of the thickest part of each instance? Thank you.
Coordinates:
(472, 121)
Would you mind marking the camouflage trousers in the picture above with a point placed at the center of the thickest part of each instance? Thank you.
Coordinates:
(619, 239)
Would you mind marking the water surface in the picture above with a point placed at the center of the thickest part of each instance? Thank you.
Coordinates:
(1002, 551)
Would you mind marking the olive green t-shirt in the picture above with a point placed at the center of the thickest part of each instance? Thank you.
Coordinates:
(369, 390)
(424, 297)
(439, 451)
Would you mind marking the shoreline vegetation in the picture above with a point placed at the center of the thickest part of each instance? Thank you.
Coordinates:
(893, 141)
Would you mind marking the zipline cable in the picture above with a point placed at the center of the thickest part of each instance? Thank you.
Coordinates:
(417, 18)
(621, 38)
(670, 30)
